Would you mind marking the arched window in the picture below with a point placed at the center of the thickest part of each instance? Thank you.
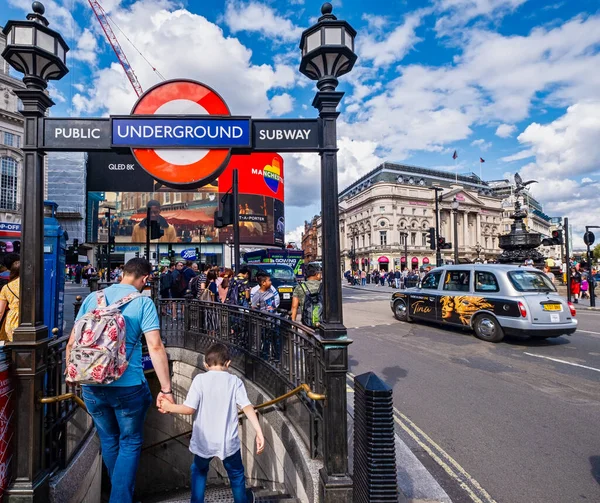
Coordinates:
(8, 183)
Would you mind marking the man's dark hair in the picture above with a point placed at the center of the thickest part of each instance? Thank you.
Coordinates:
(262, 276)
(189, 263)
(217, 354)
(137, 267)
(153, 202)
(10, 259)
(244, 270)
(312, 270)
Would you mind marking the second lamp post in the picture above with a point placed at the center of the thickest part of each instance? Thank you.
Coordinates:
(455, 206)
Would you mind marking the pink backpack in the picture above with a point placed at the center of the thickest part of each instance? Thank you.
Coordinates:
(99, 353)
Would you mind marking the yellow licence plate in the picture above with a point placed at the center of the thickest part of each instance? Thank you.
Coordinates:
(286, 290)
(552, 307)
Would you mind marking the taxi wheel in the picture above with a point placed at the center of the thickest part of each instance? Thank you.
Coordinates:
(487, 328)
(401, 311)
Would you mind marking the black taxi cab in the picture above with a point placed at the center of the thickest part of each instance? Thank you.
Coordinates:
(493, 300)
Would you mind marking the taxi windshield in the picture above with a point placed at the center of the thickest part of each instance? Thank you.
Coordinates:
(278, 272)
(531, 281)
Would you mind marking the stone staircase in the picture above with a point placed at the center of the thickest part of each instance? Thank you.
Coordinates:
(223, 495)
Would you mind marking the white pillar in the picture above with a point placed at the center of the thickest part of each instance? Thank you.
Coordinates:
(466, 228)
(478, 229)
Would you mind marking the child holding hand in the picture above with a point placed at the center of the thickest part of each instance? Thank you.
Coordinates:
(215, 397)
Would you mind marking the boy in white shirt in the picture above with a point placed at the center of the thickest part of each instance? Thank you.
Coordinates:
(215, 397)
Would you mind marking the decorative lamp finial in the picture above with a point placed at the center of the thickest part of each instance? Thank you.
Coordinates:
(38, 8)
(326, 8)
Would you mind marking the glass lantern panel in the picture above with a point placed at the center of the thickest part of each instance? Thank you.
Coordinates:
(28, 58)
(313, 41)
(61, 52)
(333, 36)
(45, 41)
(23, 35)
(349, 41)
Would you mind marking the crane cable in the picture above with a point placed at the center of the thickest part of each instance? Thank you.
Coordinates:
(133, 45)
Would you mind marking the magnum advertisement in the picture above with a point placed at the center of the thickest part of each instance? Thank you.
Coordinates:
(116, 182)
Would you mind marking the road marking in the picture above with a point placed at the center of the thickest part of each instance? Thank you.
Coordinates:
(563, 361)
(588, 332)
(477, 493)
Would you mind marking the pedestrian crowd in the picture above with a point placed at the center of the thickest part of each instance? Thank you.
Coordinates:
(398, 278)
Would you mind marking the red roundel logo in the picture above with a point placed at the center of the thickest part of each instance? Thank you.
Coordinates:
(182, 167)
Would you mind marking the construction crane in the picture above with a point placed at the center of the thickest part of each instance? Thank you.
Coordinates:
(114, 42)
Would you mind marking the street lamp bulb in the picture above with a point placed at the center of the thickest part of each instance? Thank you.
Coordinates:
(455, 204)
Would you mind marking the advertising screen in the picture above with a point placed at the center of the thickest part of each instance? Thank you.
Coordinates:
(117, 182)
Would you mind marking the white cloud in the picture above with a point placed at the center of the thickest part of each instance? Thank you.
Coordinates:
(303, 171)
(458, 13)
(482, 144)
(87, 48)
(147, 21)
(389, 47)
(565, 148)
(257, 17)
(295, 236)
(281, 104)
(523, 154)
(494, 79)
(506, 130)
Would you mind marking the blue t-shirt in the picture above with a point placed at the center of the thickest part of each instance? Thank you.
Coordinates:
(140, 317)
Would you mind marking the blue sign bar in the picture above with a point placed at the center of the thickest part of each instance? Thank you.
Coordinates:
(168, 132)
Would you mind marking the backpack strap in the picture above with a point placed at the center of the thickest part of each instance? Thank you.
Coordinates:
(125, 300)
(101, 299)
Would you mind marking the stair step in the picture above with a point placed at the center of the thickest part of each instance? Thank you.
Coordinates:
(222, 495)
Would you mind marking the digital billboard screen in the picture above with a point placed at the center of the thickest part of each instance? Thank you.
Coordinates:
(117, 182)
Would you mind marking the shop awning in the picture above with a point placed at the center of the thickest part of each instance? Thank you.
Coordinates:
(383, 260)
(403, 260)
(426, 260)
(415, 260)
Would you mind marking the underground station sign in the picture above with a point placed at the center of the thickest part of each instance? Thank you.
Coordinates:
(182, 133)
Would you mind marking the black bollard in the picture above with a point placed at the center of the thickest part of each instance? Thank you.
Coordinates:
(374, 441)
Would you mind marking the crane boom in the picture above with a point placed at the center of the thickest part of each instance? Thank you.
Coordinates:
(114, 42)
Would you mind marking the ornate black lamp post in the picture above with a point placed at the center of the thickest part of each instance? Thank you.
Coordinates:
(39, 53)
(455, 205)
(328, 53)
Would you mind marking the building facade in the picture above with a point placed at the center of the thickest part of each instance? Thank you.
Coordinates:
(12, 127)
(385, 218)
(309, 241)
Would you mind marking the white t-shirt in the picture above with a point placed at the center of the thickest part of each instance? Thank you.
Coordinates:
(216, 396)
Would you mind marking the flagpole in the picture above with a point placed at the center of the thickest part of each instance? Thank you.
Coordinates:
(456, 169)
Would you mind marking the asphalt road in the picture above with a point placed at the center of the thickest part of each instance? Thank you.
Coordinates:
(524, 427)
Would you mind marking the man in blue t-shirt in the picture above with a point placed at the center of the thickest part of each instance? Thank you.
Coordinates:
(119, 409)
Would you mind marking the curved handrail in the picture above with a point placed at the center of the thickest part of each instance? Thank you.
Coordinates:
(62, 398)
(303, 387)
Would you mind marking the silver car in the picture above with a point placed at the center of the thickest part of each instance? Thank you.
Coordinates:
(494, 300)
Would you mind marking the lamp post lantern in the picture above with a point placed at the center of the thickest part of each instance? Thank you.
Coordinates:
(38, 52)
(455, 206)
(478, 249)
(327, 50)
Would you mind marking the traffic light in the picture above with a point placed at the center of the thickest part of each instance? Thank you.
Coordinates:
(155, 231)
(112, 244)
(431, 238)
(171, 252)
(76, 244)
(556, 239)
(137, 254)
(442, 245)
(224, 216)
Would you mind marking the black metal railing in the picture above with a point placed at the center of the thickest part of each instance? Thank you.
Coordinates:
(66, 426)
(275, 353)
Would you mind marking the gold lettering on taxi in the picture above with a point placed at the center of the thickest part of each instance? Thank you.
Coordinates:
(419, 307)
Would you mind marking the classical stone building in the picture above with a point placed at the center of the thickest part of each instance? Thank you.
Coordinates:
(385, 217)
(12, 127)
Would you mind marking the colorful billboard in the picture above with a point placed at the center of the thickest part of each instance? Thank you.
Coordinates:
(116, 181)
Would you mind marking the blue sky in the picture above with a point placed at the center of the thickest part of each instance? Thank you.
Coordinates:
(516, 82)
